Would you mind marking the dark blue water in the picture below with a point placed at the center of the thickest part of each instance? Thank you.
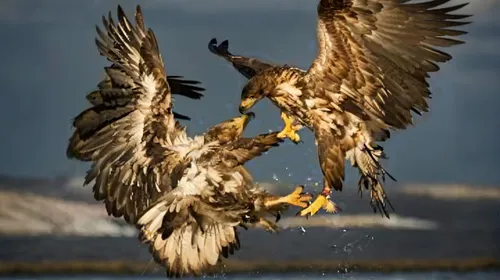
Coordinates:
(360, 276)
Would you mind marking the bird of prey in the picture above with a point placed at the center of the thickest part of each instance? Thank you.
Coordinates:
(370, 74)
(186, 195)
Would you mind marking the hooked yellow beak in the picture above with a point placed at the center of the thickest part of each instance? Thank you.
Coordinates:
(244, 119)
(247, 104)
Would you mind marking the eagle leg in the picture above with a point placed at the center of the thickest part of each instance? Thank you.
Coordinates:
(321, 201)
(290, 129)
(296, 198)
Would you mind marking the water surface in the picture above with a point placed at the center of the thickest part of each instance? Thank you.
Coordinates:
(481, 275)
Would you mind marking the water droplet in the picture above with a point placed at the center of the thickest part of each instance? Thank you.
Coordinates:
(309, 178)
(302, 229)
(275, 177)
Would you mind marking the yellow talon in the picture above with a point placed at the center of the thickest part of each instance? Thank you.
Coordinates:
(296, 198)
(289, 130)
(321, 201)
(149, 235)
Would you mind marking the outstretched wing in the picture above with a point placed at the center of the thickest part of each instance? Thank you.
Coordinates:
(245, 149)
(124, 135)
(379, 52)
(177, 85)
(247, 66)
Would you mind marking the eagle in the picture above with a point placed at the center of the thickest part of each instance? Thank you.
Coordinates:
(186, 195)
(369, 75)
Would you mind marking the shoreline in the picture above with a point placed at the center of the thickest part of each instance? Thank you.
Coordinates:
(232, 267)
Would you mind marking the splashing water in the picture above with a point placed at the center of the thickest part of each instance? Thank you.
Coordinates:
(275, 177)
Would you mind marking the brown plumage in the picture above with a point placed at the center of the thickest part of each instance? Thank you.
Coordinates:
(178, 86)
(247, 66)
(186, 195)
(370, 74)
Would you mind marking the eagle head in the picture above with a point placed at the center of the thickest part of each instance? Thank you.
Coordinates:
(229, 130)
(257, 88)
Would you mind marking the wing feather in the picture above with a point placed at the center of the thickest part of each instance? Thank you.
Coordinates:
(188, 228)
(331, 157)
(380, 52)
(245, 149)
(247, 66)
(125, 132)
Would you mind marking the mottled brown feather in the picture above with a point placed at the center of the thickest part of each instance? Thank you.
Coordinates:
(122, 132)
(245, 149)
(246, 66)
(379, 52)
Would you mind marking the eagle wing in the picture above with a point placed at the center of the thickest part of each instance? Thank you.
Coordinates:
(177, 85)
(245, 149)
(331, 156)
(247, 66)
(186, 88)
(125, 135)
(188, 228)
(379, 53)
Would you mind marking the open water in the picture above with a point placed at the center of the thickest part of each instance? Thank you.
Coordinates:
(481, 275)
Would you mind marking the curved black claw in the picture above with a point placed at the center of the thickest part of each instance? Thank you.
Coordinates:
(298, 142)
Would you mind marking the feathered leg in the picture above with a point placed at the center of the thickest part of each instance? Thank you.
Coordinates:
(367, 160)
(322, 201)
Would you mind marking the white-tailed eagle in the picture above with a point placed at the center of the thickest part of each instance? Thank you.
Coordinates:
(370, 74)
(186, 195)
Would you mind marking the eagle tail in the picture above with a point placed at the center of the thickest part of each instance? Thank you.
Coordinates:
(184, 242)
(367, 160)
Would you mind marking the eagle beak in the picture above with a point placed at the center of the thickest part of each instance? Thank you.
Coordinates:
(245, 119)
(250, 116)
(246, 104)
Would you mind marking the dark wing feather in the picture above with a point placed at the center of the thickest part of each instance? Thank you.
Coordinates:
(247, 66)
(379, 52)
(124, 135)
(185, 88)
(245, 149)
